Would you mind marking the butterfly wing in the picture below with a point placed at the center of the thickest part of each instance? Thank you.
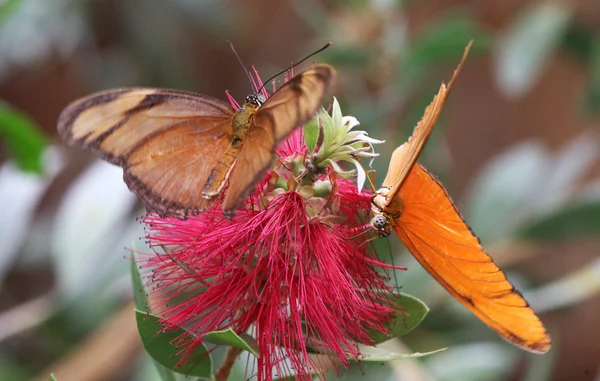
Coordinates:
(433, 230)
(405, 156)
(167, 141)
(295, 103)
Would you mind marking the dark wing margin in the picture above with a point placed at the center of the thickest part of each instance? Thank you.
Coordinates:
(111, 123)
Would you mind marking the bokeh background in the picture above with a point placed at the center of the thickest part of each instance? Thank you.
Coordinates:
(517, 147)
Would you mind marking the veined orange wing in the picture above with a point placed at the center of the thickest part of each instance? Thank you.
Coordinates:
(434, 232)
(418, 208)
(165, 140)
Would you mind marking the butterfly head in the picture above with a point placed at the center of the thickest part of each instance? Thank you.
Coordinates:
(384, 212)
(381, 225)
(254, 101)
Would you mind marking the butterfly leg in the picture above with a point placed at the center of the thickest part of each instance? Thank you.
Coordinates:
(371, 180)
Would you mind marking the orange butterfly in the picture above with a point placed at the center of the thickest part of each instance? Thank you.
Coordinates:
(418, 208)
(179, 150)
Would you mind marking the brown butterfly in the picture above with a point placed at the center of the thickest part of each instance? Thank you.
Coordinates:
(179, 150)
(418, 208)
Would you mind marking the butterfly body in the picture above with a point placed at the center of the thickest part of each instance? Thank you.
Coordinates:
(181, 151)
(240, 125)
(384, 212)
(417, 207)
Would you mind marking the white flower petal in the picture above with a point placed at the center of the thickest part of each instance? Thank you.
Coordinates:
(350, 122)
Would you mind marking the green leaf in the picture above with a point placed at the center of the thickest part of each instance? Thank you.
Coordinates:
(25, 141)
(328, 131)
(139, 293)
(311, 134)
(52, 378)
(411, 312)
(229, 337)
(159, 345)
(7, 8)
(374, 354)
(443, 42)
(571, 222)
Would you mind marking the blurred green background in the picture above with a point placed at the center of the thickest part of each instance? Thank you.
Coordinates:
(517, 147)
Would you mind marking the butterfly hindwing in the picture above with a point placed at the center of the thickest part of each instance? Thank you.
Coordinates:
(435, 233)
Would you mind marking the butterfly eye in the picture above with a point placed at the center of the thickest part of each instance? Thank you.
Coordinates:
(379, 222)
(256, 100)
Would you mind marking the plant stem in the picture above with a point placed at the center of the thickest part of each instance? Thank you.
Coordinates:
(225, 369)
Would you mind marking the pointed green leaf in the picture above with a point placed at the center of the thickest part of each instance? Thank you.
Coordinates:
(139, 293)
(159, 345)
(336, 117)
(24, 139)
(329, 133)
(374, 354)
(229, 337)
(311, 134)
(52, 378)
(410, 313)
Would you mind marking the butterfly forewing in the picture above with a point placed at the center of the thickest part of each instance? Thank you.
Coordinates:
(293, 104)
(405, 156)
(165, 140)
(433, 230)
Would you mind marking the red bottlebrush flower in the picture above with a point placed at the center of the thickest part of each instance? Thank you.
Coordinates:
(289, 268)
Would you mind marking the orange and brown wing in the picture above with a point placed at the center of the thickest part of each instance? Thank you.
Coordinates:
(433, 230)
(167, 141)
(295, 103)
(251, 164)
(405, 156)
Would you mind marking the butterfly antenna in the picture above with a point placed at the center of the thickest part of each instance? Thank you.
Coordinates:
(297, 63)
(243, 66)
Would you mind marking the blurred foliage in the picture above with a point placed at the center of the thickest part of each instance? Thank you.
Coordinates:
(390, 68)
(7, 8)
(24, 140)
(571, 222)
